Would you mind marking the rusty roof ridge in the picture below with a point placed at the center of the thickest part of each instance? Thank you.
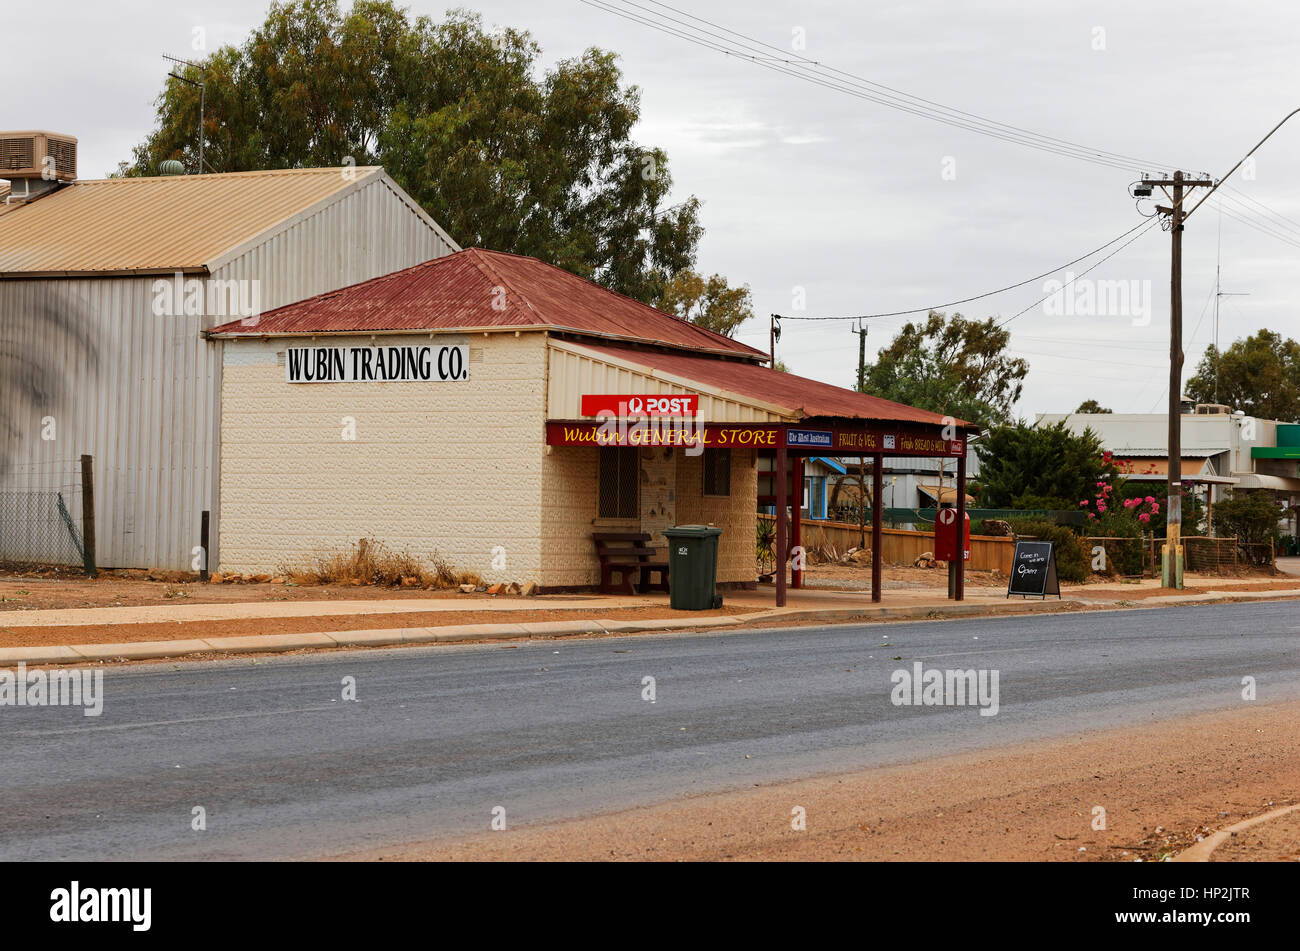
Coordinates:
(309, 303)
(681, 320)
(478, 258)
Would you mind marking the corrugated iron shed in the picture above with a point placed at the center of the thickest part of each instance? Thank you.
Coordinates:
(135, 226)
(137, 388)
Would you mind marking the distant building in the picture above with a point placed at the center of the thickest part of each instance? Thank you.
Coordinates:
(918, 483)
(820, 474)
(1221, 450)
(831, 485)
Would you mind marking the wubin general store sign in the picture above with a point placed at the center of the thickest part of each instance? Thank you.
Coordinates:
(693, 433)
(392, 364)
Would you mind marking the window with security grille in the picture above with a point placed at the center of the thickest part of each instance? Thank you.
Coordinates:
(619, 483)
(717, 472)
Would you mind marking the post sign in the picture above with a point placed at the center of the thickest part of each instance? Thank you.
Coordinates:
(1033, 570)
(408, 363)
(945, 536)
(639, 405)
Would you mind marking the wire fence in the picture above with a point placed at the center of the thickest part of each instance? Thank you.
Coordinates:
(42, 526)
(1130, 556)
(1226, 554)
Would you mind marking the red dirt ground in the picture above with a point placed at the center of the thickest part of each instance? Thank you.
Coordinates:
(1032, 802)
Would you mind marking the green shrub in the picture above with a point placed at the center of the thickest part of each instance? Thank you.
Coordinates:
(1072, 559)
(1251, 516)
(1123, 557)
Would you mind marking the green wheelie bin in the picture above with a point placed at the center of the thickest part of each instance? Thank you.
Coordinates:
(693, 567)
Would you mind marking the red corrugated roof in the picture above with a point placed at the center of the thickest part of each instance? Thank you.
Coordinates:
(799, 396)
(476, 288)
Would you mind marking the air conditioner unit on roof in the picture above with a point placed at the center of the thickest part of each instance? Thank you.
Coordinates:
(44, 155)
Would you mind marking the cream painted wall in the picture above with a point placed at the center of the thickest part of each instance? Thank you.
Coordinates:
(569, 482)
(455, 467)
(735, 514)
(658, 492)
(569, 479)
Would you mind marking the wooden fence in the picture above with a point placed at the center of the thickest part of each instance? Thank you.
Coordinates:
(902, 547)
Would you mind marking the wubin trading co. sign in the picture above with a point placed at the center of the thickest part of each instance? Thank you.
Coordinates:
(392, 364)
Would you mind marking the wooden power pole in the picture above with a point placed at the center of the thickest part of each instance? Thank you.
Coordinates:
(1171, 571)
(861, 331)
(1172, 568)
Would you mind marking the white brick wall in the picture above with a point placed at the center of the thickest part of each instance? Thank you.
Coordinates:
(454, 467)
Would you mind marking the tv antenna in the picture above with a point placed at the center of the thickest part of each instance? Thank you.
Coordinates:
(202, 84)
(1219, 292)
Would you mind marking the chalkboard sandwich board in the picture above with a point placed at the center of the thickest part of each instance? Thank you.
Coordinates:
(1033, 571)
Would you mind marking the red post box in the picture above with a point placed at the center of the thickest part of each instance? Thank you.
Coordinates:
(945, 536)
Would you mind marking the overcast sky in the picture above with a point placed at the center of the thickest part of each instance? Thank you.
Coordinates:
(866, 208)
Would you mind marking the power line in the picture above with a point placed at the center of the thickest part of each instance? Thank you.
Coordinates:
(1239, 213)
(1160, 399)
(1074, 357)
(803, 60)
(1071, 342)
(1262, 229)
(1000, 290)
(1204, 309)
(801, 67)
(1172, 552)
(1240, 195)
(1148, 226)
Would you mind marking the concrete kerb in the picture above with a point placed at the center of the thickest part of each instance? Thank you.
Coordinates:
(381, 637)
(12, 656)
(140, 650)
(256, 643)
(670, 624)
(1201, 851)
(916, 611)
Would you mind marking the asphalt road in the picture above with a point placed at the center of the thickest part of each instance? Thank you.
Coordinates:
(283, 767)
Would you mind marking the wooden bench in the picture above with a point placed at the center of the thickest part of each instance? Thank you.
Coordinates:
(629, 555)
